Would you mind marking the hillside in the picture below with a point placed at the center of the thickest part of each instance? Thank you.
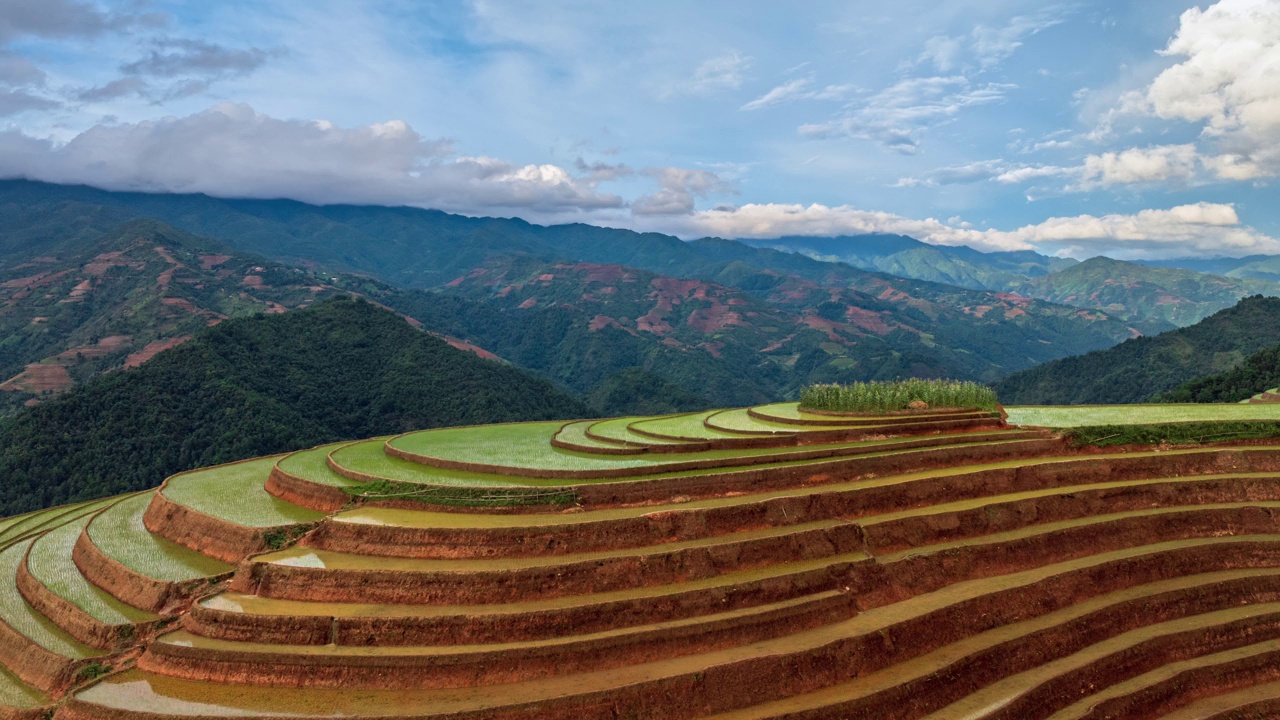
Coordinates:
(736, 347)
(910, 258)
(255, 386)
(911, 327)
(1136, 370)
(74, 304)
(1257, 374)
(1171, 297)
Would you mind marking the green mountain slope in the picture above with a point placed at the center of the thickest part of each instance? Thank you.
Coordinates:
(906, 257)
(74, 304)
(1258, 373)
(1139, 293)
(253, 386)
(1134, 371)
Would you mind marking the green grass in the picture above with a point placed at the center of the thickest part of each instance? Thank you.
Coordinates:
(25, 620)
(235, 493)
(16, 694)
(881, 397)
(50, 563)
(119, 533)
(576, 433)
(1065, 416)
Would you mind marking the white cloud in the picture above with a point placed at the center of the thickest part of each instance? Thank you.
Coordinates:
(895, 116)
(782, 93)
(232, 151)
(677, 191)
(1226, 82)
(1200, 229)
(797, 89)
(723, 72)
(987, 46)
(1162, 163)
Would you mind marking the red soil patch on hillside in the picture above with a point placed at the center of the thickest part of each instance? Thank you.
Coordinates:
(528, 303)
(713, 348)
(275, 308)
(607, 274)
(868, 320)
(714, 318)
(469, 347)
(209, 262)
(778, 345)
(104, 262)
(79, 291)
(1012, 313)
(823, 324)
(106, 345)
(977, 310)
(33, 280)
(253, 281)
(39, 377)
(152, 349)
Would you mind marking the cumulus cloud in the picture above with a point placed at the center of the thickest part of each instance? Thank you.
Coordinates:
(1226, 81)
(678, 188)
(895, 116)
(1200, 229)
(232, 151)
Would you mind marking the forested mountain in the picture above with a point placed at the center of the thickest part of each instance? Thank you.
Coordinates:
(788, 333)
(1168, 297)
(1257, 374)
(1135, 370)
(254, 386)
(73, 304)
(907, 257)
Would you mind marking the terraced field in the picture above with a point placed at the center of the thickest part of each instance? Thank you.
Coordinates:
(758, 563)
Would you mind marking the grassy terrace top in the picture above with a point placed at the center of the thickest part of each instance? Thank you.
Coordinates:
(1068, 416)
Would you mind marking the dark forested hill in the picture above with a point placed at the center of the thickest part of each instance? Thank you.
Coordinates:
(341, 369)
(1136, 370)
(1257, 374)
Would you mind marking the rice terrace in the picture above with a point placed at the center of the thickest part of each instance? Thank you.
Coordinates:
(928, 560)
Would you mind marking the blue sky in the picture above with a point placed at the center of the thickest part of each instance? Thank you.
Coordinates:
(1133, 129)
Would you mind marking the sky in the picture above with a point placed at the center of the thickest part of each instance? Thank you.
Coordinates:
(1130, 128)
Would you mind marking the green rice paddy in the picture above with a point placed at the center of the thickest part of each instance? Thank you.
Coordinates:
(314, 466)
(367, 457)
(20, 616)
(576, 433)
(1064, 416)
(50, 563)
(119, 533)
(684, 427)
(39, 520)
(619, 430)
(236, 493)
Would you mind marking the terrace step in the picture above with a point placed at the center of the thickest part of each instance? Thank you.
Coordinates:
(234, 616)
(941, 684)
(32, 646)
(618, 431)
(185, 655)
(573, 436)
(789, 413)
(32, 524)
(50, 582)
(1258, 702)
(117, 553)
(1172, 690)
(722, 680)
(302, 573)
(225, 511)
(416, 533)
(701, 427)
